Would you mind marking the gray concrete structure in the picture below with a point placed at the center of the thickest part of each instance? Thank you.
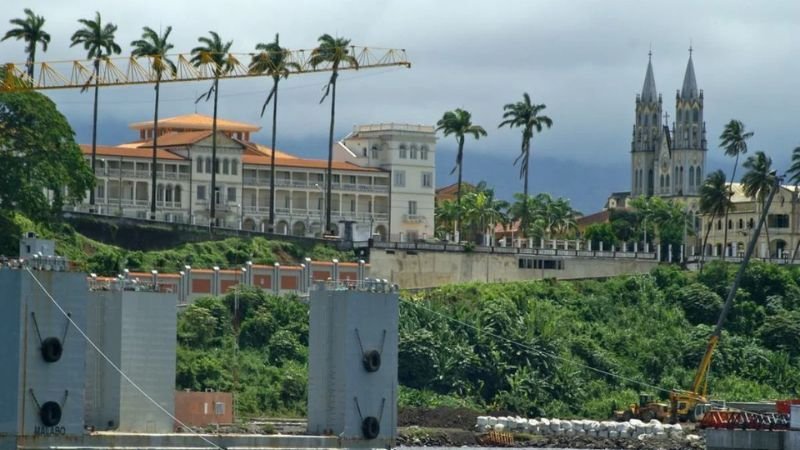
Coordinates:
(30, 245)
(352, 379)
(425, 269)
(42, 354)
(751, 440)
(136, 330)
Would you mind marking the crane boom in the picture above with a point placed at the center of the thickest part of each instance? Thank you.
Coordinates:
(124, 71)
(685, 401)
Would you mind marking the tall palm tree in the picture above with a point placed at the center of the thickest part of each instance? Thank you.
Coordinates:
(757, 182)
(446, 214)
(715, 200)
(734, 141)
(525, 115)
(153, 46)
(29, 30)
(459, 123)
(334, 51)
(794, 177)
(98, 41)
(215, 52)
(272, 60)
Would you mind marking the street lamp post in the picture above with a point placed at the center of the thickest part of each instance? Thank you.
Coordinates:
(321, 225)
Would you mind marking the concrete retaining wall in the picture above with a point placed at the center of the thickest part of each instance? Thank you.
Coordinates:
(424, 269)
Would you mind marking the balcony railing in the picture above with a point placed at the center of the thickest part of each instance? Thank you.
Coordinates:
(302, 184)
(413, 218)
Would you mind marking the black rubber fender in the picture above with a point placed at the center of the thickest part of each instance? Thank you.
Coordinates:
(50, 414)
(371, 360)
(370, 427)
(52, 349)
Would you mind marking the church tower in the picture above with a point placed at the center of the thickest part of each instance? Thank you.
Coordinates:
(647, 135)
(689, 136)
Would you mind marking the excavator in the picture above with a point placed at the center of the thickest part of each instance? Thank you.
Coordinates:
(691, 405)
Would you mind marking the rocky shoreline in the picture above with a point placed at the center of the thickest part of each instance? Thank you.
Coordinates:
(415, 436)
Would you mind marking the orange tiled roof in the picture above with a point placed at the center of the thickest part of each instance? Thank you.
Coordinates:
(177, 139)
(268, 151)
(197, 122)
(598, 217)
(304, 163)
(106, 150)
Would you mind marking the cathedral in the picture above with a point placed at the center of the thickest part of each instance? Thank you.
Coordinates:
(666, 162)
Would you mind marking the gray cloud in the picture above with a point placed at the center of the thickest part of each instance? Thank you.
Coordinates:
(584, 59)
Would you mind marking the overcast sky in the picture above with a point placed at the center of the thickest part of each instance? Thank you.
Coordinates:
(585, 60)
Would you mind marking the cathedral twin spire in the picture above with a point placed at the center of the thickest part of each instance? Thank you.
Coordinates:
(689, 90)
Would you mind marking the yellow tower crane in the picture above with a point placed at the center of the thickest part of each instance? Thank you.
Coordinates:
(124, 71)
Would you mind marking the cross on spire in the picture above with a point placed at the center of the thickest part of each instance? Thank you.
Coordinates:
(690, 48)
(666, 118)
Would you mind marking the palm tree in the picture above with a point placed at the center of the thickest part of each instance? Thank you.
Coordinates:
(459, 124)
(758, 181)
(484, 212)
(525, 115)
(273, 60)
(794, 177)
(334, 51)
(153, 46)
(29, 30)
(98, 41)
(715, 200)
(446, 215)
(215, 52)
(734, 140)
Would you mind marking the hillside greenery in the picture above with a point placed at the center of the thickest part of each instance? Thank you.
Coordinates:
(96, 257)
(555, 348)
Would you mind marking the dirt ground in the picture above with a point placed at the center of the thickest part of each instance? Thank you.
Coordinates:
(453, 418)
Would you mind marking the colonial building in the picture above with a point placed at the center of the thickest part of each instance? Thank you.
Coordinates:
(781, 226)
(387, 189)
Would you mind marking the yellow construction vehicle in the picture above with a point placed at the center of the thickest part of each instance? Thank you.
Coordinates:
(646, 410)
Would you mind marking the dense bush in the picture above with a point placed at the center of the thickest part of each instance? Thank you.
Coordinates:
(534, 348)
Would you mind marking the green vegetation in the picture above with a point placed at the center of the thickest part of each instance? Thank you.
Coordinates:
(92, 256)
(525, 347)
(42, 167)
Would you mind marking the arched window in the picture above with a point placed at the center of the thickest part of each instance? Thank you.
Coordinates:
(695, 115)
(413, 152)
(662, 182)
(655, 119)
(719, 224)
(234, 167)
(751, 223)
(225, 166)
(403, 151)
(364, 152)
(374, 152)
(199, 165)
(680, 181)
(168, 196)
(216, 166)
(423, 153)
(741, 224)
(208, 165)
(178, 194)
(691, 176)
(730, 224)
(160, 193)
(667, 181)
(646, 120)
(699, 176)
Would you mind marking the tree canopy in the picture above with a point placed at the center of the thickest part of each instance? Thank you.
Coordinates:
(43, 168)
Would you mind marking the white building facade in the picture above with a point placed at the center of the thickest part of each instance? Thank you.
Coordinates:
(362, 188)
(408, 153)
